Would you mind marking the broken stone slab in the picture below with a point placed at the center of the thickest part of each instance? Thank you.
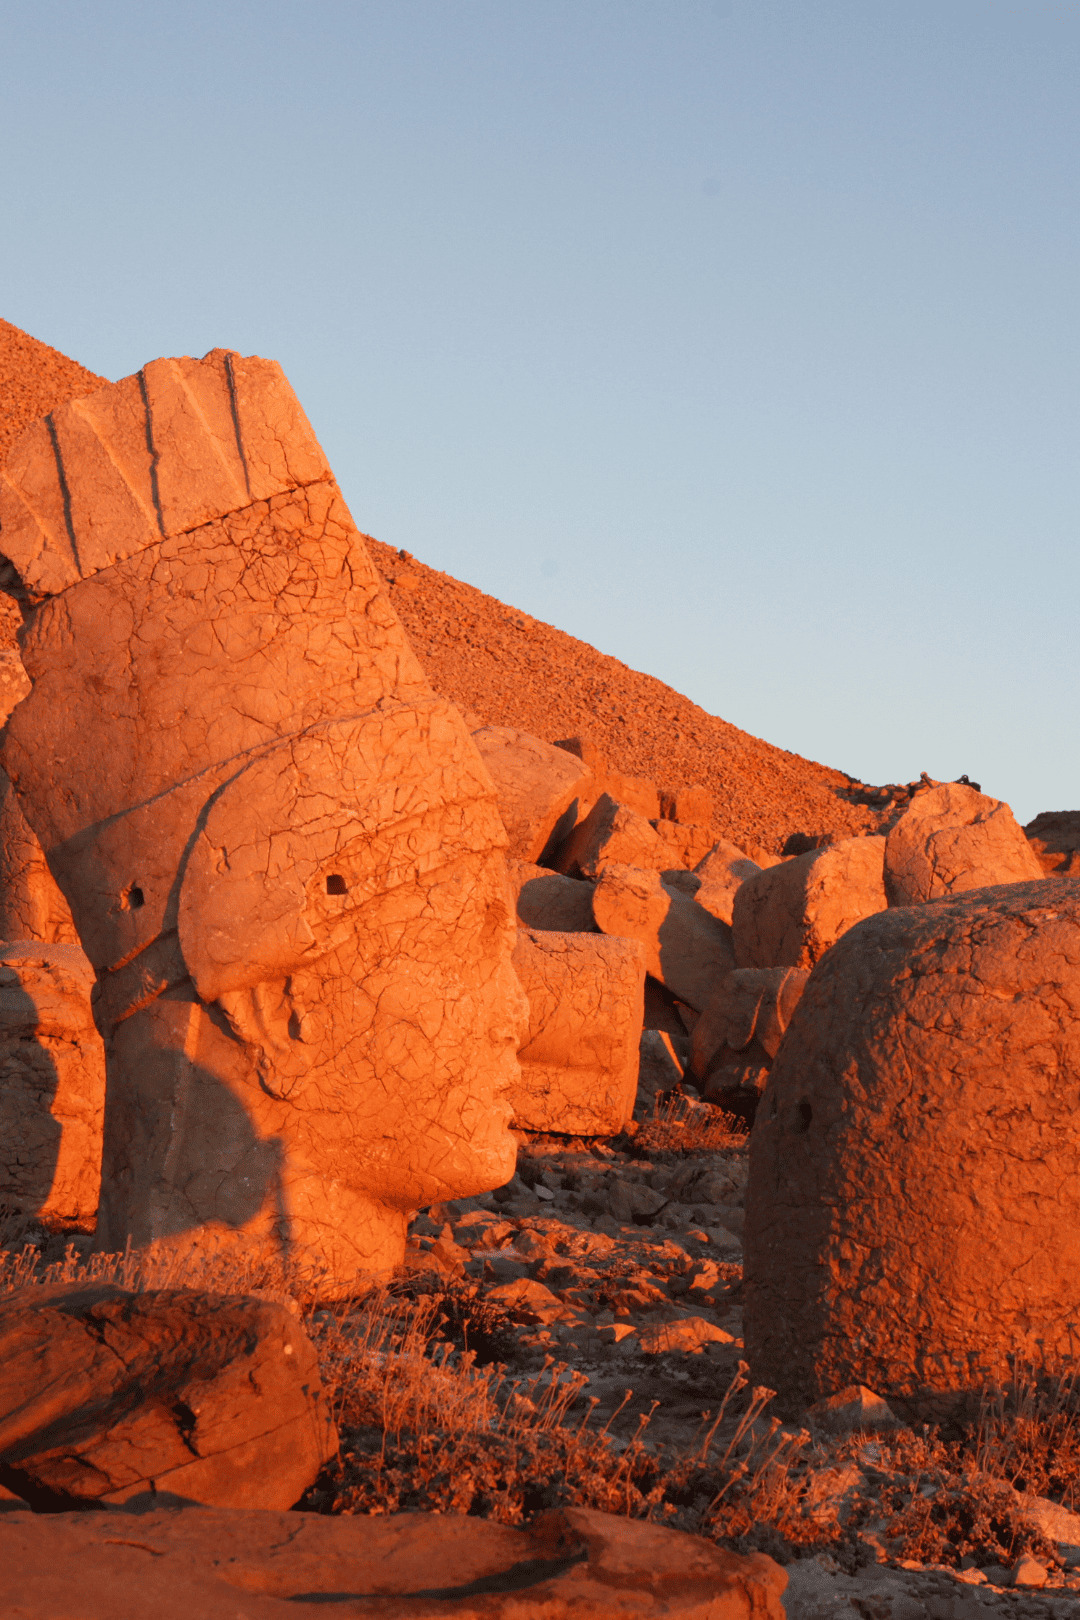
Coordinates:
(690, 1334)
(692, 806)
(538, 788)
(919, 1112)
(952, 838)
(611, 833)
(790, 914)
(686, 842)
(579, 1061)
(1054, 835)
(659, 1066)
(282, 854)
(179, 445)
(635, 792)
(686, 948)
(52, 1085)
(106, 1395)
(548, 900)
(221, 1564)
(752, 1005)
(722, 871)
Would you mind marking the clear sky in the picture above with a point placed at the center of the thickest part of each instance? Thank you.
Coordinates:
(736, 337)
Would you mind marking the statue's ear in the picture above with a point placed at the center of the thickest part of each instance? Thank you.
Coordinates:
(314, 828)
(250, 908)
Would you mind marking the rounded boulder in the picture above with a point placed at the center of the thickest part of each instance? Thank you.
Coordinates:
(913, 1215)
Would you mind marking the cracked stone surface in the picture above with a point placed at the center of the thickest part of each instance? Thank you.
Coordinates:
(52, 1085)
(539, 788)
(953, 838)
(686, 948)
(569, 1564)
(788, 915)
(579, 1061)
(914, 1209)
(282, 853)
(106, 1395)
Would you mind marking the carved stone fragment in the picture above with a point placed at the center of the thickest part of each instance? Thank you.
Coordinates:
(282, 854)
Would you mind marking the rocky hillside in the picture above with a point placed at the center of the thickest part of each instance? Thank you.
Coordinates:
(505, 668)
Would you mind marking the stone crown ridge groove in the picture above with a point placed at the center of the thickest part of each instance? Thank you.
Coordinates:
(179, 444)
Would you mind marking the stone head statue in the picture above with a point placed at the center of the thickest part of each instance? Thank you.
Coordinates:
(281, 852)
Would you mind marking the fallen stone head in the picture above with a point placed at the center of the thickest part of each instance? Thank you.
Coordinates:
(282, 853)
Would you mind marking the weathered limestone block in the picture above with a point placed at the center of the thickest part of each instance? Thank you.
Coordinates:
(659, 1066)
(611, 833)
(106, 1395)
(635, 792)
(686, 842)
(1054, 836)
(914, 1204)
(693, 806)
(789, 915)
(222, 1564)
(579, 1063)
(538, 787)
(548, 900)
(52, 1085)
(722, 871)
(686, 948)
(953, 838)
(282, 854)
(178, 445)
(753, 1006)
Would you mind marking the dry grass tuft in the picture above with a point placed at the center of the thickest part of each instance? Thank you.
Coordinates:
(423, 1427)
(141, 1270)
(680, 1125)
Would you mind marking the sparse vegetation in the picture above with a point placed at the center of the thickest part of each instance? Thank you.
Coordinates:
(680, 1125)
(429, 1419)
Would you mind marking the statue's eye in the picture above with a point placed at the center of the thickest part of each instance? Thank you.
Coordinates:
(335, 884)
(133, 898)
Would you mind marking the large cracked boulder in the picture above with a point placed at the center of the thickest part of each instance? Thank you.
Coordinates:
(749, 1014)
(548, 900)
(789, 915)
(611, 833)
(579, 1062)
(52, 1085)
(569, 1564)
(952, 838)
(538, 786)
(106, 1395)
(913, 1221)
(686, 948)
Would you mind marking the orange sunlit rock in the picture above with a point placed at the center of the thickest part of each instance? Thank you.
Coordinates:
(913, 1219)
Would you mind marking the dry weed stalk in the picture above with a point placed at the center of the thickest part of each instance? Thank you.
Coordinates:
(1028, 1433)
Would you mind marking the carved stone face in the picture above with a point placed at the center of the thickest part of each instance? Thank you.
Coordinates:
(282, 853)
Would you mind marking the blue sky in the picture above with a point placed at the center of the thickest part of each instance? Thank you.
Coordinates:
(737, 339)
